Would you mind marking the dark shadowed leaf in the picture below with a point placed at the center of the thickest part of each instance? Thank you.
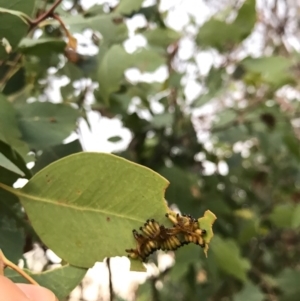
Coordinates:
(12, 238)
(4, 162)
(227, 255)
(43, 123)
(56, 152)
(12, 27)
(10, 135)
(43, 46)
(250, 292)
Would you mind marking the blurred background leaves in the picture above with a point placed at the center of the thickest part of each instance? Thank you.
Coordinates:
(211, 104)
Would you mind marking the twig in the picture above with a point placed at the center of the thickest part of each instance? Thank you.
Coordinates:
(72, 42)
(155, 294)
(11, 71)
(111, 290)
(47, 14)
(4, 262)
(57, 18)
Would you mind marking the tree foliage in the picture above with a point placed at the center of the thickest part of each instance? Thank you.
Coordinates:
(245, 117)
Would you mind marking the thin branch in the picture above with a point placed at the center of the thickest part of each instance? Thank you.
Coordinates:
(4, 262)
(11, 71)
(47, 14)
(155, 294)
(111, 290)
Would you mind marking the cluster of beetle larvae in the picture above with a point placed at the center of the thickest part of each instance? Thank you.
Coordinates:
(155, 237)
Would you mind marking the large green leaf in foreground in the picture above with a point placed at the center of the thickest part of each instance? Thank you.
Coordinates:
(85, 206)
(61, 281)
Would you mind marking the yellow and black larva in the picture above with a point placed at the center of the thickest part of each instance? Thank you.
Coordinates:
(155, 237)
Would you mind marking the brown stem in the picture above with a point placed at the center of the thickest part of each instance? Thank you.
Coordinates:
(11, 71)
(56, 17)
(47, 14)
(111, 290)
(4, 262)
(72, 42)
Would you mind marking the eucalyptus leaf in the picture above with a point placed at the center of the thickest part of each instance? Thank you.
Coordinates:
(111, 70)
(46, 124)
(228, 258)
(104, 198)
(10, 136)
(126, 7)
(43, 46)
(12, 26)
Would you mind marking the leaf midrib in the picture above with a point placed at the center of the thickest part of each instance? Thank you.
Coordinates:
(39, 199)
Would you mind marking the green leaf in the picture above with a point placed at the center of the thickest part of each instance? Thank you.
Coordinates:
(12, 237)
(184, 257)
(250, 292)
(163, 120)
(10, 134)
(61, 281)
(144, 291)
(15, 83)
(126, 7)
(295, 223)
(114, 139)
(147, 60)
(16, 13)
(25, 7)
(292, 143)
(282, 215)
(206, 222)
(94, 10)
(228, 258)
(10, 166)
(246, 18)
(56, 152)
(288, 282)
(162, 37)
(223, 36)
(89, 201)
(11, 219)
(43, 46)
(44, 124)
(225, 117)
(110, 73)
(12, 27)
(214, 83)
(111, 26)
(248, 230)
(179, 191)
(16, 158)
(217, 34)
(273, 69)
